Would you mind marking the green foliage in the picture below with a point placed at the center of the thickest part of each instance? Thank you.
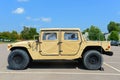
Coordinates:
(86, 30)
(5, 35)
(14, 35)
(28, 33)
(114, 35)
(95, 33)
(9, 36)
(112, 26)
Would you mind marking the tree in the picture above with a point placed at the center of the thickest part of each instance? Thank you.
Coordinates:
(112, 26)
(14, 35)
(32, 32)
(11, 36)
(28, 33)
(25, 33)
(86, 30)
(0, 35)
(6, 35)
(95, 33)
(114, 35)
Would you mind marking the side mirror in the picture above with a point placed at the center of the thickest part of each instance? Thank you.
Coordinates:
(36, 38)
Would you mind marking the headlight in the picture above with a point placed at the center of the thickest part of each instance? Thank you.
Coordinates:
(9, 46)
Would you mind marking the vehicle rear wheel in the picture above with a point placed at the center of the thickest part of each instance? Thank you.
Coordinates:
(18, 59)
(92, 60)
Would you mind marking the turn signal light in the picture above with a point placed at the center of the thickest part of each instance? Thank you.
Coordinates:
(9, 46)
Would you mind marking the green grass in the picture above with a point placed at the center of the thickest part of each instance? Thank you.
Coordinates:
(1, 42)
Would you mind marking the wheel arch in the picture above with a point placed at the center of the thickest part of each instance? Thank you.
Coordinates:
(22, 48)
(97, 48)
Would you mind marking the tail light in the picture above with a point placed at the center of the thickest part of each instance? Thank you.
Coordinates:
(108, 47)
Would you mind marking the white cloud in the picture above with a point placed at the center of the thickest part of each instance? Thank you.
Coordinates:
(18, 11)
(43, 19)
(28, 18)
(36, 19)
(22, 0)
(46, 19)
(32, 19)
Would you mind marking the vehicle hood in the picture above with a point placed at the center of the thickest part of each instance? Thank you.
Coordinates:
(26, 44)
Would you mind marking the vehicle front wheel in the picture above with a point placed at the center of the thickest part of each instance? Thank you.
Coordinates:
(92, 60)
(18, 59)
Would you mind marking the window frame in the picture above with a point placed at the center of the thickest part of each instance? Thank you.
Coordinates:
(78, 38)
(56, 35)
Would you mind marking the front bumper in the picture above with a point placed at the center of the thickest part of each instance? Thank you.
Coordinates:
(109, 53)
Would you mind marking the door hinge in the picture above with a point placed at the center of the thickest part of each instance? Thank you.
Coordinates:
(40, 51)
(60, 50)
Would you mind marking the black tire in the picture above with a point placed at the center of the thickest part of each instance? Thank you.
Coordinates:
(92, 60)
(18, 59)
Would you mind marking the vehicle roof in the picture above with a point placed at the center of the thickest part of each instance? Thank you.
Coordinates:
(59, 29)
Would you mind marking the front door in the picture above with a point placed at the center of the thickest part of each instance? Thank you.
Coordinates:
(49, 43)
(70, 43)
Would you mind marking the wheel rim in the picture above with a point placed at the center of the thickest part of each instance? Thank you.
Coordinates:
(93, 60)
(18, 59)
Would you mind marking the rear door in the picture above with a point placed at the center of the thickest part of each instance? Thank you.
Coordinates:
(70, 42)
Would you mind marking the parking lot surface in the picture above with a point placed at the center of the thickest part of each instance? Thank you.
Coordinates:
(61, 70)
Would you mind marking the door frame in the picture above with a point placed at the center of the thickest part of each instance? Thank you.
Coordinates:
(41, 41)
(62, 40)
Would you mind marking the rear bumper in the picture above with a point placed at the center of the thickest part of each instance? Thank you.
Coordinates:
(109, 53)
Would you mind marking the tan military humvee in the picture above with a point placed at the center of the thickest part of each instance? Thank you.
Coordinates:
(58, 44)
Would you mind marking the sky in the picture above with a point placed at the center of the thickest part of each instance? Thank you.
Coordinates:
(15, 14)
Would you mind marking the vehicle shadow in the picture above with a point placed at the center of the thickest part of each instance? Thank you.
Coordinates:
(61, 64)
(56, 65)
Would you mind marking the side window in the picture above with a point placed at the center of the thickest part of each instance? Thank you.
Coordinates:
(70, 36)
(49, 36)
